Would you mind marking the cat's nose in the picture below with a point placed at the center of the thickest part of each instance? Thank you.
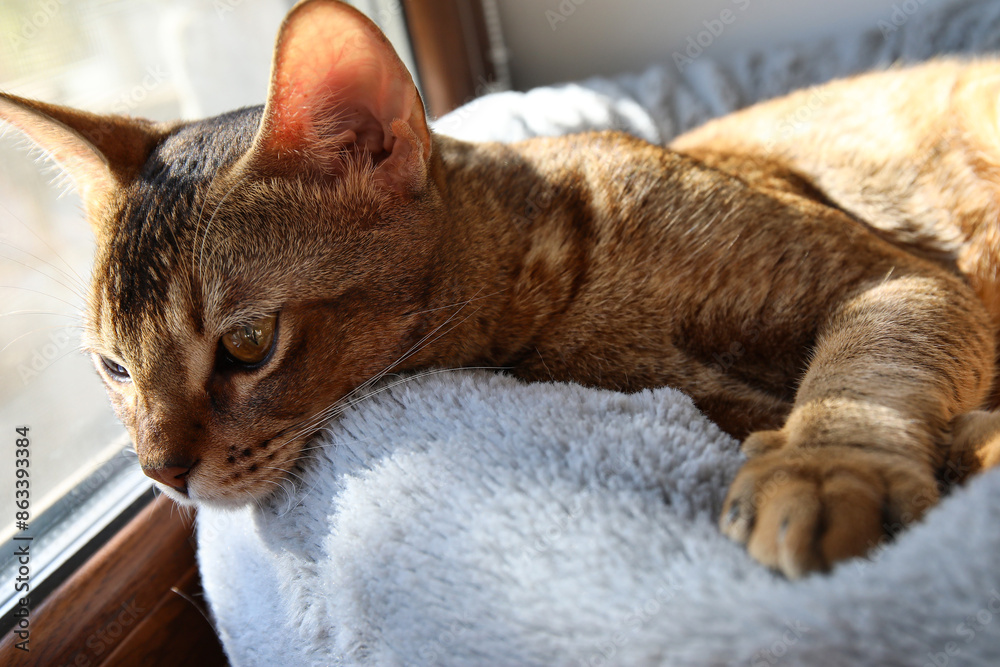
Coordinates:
(171, 475)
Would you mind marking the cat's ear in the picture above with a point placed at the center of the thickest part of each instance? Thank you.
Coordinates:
(338, 92)
(99, 153)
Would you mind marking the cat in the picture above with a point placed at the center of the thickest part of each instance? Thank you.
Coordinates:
(257, 271)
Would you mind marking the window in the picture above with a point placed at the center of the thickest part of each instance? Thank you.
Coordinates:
(149, 58)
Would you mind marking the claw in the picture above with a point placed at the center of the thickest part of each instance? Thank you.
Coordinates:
(738, 521)
(733, 515)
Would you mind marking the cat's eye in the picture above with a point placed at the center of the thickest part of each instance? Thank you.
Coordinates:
(250, 344)
(115, 370)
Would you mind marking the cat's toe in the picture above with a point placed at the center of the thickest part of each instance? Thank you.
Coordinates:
(763, 442)
(975, 445)
(803, 510)
(784, 537)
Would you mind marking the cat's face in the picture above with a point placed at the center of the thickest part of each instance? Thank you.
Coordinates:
(256, 268)
(189, 264)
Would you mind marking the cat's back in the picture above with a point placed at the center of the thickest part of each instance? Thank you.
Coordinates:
(634, 190)
(913, 152)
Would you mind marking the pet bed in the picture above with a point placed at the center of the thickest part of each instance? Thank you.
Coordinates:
(465, 518)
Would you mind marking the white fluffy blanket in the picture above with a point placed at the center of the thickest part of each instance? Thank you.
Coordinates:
(467, 519)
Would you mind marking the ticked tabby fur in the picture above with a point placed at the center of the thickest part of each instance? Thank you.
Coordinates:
(829, 295)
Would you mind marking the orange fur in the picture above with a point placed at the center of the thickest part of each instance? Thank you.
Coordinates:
(827, 293)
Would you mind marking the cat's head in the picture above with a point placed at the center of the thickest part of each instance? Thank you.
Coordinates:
(254, 268)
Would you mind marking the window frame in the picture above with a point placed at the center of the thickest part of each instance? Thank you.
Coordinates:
(144, 557)
(76, 526)
(127, 601)
(455, 50)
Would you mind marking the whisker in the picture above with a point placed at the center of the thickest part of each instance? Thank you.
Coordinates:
(54, 361)
(419, 346)
(305, 450)
(342, 405)
(51, 296)
(208, 227)
(415, 376)
(326, 413)
(379, 376)
(194, 603)
(34, 331)
(73, 290)
(323, 415)
(201, 212)
(256, 501)
(271, 481)
(311, 449)
(31, 231)
(61, 357)
(38, 312)
(288, 493)
(359, 394)
(441, 335)
(462, 303)
(285, 472)
(302, 494)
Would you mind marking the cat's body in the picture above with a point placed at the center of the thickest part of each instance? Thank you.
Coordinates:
(256, 270)
(912, 153)
(646, 268)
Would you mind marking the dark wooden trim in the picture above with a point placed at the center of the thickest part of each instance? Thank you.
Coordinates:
(452, 50)
(41, 589)
(122, 598)
(173, 633)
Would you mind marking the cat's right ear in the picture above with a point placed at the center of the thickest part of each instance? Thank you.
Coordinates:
(99, 153)
(339, 93)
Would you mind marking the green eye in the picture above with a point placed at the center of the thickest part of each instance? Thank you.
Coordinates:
(251, 343)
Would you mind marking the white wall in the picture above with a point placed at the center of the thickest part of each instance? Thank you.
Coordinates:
(559, 40)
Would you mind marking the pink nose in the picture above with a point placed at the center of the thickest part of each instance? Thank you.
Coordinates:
(175, 476)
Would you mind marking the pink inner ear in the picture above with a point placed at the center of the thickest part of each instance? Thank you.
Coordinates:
(337, 86)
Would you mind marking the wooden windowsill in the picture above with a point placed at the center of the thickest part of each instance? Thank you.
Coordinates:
(451, 48)
(121, 608)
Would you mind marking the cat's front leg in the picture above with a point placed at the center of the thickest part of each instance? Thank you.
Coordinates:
(858, 456)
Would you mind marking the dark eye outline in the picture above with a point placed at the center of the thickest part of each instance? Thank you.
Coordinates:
(116, 371)
(226, 360)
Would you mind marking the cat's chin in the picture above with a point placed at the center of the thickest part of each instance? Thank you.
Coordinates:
(176, 496)
(223, 501)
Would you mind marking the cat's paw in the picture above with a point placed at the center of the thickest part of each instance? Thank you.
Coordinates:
(975, 445)
(802, 509)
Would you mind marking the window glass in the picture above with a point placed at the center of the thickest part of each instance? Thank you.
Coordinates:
(158, 59)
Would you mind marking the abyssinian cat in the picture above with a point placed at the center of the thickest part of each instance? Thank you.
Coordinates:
(256, 270)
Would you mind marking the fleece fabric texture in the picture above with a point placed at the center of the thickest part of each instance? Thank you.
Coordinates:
(469, 519)
(464, 518)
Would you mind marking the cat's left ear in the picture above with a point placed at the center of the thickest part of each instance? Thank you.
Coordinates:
(99, 153)
(339, 92)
